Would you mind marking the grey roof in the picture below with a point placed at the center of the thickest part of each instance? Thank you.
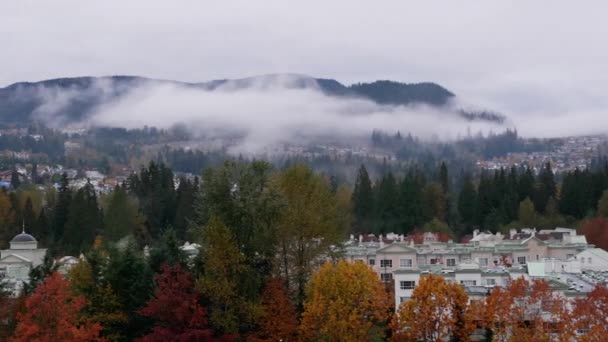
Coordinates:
(23, 237)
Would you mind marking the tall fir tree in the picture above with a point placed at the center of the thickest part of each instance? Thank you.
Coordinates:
(62, 208)
(84, 221)
(467, 204)
(363, 201)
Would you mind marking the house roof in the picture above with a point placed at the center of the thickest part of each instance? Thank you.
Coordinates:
(15, 257)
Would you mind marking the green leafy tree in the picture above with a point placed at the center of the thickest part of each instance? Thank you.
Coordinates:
(309, 225)
(246, 199)
(223, 265)
(527, 213)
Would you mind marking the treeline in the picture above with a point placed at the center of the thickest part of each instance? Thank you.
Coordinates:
(458, 204)
(254, 224)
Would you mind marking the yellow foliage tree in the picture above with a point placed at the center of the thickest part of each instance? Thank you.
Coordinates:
(437, 311)
(345, 302)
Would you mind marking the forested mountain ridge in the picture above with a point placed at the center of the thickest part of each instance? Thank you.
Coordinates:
(79, 96)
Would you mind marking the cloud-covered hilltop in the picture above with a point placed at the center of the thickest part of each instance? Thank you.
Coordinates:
(69, 100)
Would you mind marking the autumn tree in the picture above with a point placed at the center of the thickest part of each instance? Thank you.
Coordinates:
(526, 311)
(87, 279)
(596, 231)
(435, 312)
(527, 213)
(589, 314)
(222, 266)
(53, 313)
(175, 309)
(279, 319)
(345, 302)
(309, 225)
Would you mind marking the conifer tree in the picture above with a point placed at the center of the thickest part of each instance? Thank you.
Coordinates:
(363, 201)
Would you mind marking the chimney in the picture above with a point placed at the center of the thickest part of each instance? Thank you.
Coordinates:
(360, 239)
(402, 237)
(381, 240)
(352, 237)
(512, 233)
(475, 232)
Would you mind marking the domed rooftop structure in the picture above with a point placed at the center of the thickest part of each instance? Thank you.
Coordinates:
(24, 241)
(23, 237)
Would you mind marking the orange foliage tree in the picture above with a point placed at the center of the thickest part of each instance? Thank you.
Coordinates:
(279, 319)
(435, 312)
(345, 302)
(589, 315)
(527, 311)
(53, 313)
(175, 309)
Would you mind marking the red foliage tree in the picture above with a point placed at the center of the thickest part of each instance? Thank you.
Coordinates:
(52, 313)
(279, 320)
(596, 231)
(589, 315)
(176, 310)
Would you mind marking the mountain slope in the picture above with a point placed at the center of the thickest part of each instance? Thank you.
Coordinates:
(75, 98)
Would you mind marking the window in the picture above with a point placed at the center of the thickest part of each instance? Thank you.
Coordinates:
(407, 284)
(386, 277)
(582, 260)
(521, 260)
(483, 261)
(569, 256)
(468, 282)
(402, 299)
(386, 263)
(372, 262)
(433, 261)
(451, 262)
(589, 260)
(405, 263)
(537, 257)
(491, 282)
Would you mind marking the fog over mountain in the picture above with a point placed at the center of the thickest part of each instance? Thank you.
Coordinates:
(547, 77)
(265, 110)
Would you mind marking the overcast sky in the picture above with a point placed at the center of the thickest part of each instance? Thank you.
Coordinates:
(515, 56)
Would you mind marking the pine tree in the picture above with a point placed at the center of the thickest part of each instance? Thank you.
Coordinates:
(184, 212)
(545, 188)
(387, 207)
(363, 201)
(62, 208)
(84, 221)
(15, 179)
(34, 174)
(411, 207)
(467, 203)
(130, 277)
(121, 215)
